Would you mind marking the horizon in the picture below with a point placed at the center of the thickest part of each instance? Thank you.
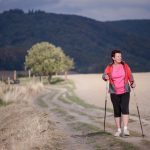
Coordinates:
(26, 12)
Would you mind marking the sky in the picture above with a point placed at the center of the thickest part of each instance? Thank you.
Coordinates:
(101, 10)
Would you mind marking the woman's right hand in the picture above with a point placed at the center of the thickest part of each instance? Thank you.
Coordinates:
(106, 77)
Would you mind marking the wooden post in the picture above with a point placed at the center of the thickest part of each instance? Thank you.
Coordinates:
(56, 74)
(33, 77)
(65, 75)
(29, 72)
(8, 80)
(41, 80)
(2, 77)
(15, 75)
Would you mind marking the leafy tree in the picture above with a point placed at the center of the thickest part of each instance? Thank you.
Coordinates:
(46, 59)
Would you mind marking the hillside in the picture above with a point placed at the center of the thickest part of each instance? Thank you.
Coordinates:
(88, 41)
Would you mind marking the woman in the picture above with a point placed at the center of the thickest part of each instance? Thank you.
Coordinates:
(119, 75)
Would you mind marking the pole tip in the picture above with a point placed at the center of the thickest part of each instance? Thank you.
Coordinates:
(143, 135)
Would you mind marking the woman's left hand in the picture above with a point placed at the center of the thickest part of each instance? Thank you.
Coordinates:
(133, 85)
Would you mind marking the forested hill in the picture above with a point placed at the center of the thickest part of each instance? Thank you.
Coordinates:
(88, 41)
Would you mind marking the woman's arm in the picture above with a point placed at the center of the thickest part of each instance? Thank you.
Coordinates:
(130, 77)
(105, 76)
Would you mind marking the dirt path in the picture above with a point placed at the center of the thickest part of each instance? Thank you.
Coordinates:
(50, 101)
(82, 124)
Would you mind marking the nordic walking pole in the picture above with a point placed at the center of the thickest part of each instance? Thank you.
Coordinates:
(138, 112)
(105, 104)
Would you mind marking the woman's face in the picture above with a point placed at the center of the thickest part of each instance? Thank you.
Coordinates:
(117, 58)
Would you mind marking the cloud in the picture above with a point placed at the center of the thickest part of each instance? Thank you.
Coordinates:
(96, 9)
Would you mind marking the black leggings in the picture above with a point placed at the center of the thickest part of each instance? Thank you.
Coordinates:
(120, 103)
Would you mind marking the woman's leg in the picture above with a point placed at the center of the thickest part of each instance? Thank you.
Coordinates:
(125, 111)
(118, 122)
(117, 109)
(125, 119)
(125, 108)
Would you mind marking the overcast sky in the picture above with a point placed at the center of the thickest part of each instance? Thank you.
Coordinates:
(102, 10)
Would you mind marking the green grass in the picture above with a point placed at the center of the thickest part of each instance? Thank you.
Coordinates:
(64, 100)
(75, 99)
(64, 114)
(109, 142)
(108, 109)
(56, 80)
(41, 103)
(82, 126)
(52, 93)
(98, 147)
(25, 79)
(123, 145)
(131, 120)
(2, 103)
(146, 142)
(81, 113)
(70, 118)
(135, 133)
(59, 111)
(116, 145)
